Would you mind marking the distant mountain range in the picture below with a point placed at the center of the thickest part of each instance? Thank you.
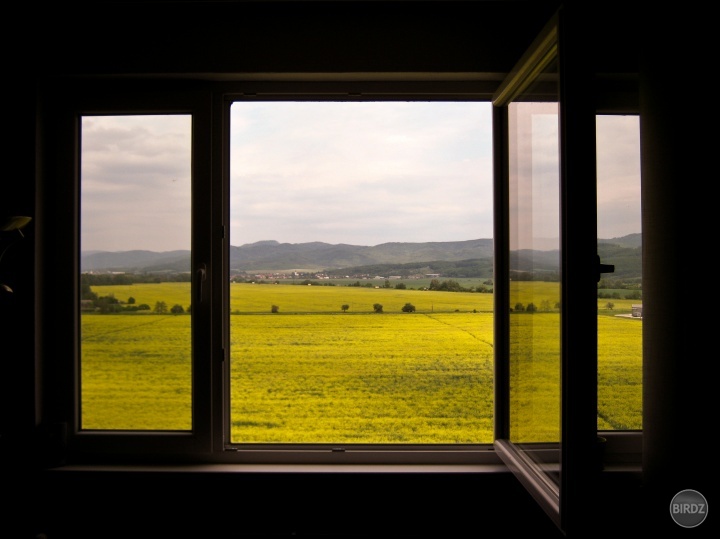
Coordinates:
(315, 256)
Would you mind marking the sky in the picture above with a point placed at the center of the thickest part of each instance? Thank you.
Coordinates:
(618, 176)
(360, 173)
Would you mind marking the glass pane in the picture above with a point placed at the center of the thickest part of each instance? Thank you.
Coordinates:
(361, 263)
(529, 440)
(534, 273)
(619, 292)
(135, 336)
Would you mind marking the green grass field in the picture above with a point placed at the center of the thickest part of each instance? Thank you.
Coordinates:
(313, 373)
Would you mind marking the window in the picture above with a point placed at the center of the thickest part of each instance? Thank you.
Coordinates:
(135, 303)
(155, 373)
(548, 368)
(138, 383)
(209, 393)
(361, 262)
(619, 292)
(531, 435)
(534, 287)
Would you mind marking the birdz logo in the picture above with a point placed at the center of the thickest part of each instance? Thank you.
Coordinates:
(688, 508)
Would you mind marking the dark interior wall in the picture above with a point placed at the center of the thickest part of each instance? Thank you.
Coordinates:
(282, 505)
(111, 504)
(677, 157)
(18, 369)
(273, 37)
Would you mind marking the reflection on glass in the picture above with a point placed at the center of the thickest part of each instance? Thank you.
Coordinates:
(619, 292)
(534, 273)
(135, 334)
(529, 440)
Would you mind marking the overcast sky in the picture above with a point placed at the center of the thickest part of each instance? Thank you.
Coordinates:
(618, 176)
(356, 173)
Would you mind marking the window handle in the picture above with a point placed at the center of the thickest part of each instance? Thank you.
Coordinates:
(603, 268)
(201, 278)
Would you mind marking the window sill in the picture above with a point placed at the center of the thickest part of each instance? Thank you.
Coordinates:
(419, 469)
(285, 468)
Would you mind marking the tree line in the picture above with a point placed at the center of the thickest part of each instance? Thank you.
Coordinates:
(111, 305)
(108, 279)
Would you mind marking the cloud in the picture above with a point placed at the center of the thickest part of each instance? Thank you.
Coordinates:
(618, 176)
(362, 173)
(135, 182)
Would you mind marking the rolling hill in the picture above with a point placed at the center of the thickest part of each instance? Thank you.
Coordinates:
(386, 258)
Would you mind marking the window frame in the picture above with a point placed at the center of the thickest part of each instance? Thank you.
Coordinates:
(560, 490)
(61, 402)
(346, 91)
(209, 104)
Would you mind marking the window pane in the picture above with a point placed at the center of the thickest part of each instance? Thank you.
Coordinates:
(619, 292)
(534, 272)
(361, 264)
(135, 337)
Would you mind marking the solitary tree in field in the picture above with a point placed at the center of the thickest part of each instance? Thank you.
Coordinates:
(131, 300)
(408, 308)
(345, 307)
(274, 309)
(377, 308)
(161, 307)
(610, 305)
(177, 309)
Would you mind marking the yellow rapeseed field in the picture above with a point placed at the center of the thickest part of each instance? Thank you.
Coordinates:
(326, 368)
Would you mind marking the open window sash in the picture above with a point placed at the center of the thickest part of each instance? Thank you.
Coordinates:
(546, 306)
